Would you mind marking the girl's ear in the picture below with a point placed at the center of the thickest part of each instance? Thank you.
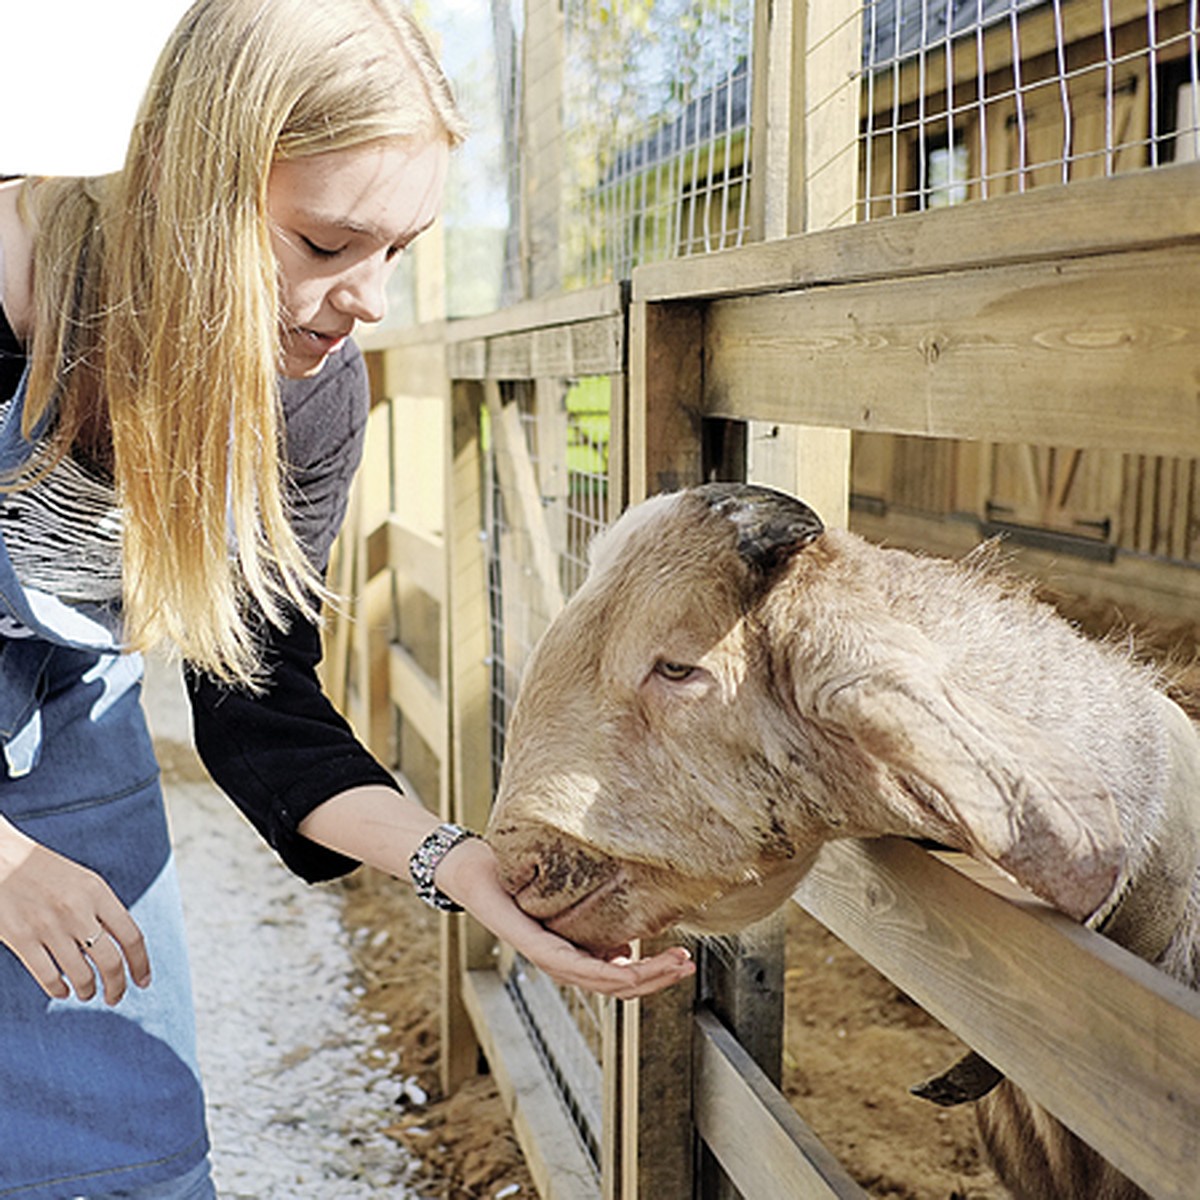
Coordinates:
(991, 784)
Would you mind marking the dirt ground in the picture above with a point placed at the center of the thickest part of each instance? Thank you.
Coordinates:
(853, 1042)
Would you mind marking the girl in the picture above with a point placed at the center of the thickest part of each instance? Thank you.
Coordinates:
(163, 487)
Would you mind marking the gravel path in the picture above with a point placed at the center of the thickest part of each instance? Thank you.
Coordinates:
(298, 1091)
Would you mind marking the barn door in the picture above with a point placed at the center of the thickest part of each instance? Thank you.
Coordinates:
(1058, 490)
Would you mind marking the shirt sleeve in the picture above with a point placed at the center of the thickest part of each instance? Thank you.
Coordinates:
(282, 752)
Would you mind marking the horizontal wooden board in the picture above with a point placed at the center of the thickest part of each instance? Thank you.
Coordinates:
(1106, 1042)
(419, 557)
(565, 309)
(419, 699)
(758, 1138)
(1080, 219)
(557, 351)
(565, 1044)
(1095, 352)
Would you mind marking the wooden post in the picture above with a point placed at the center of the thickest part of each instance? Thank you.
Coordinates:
(657, 1153)
(665, 448)
(541, 145)
(665, 401)
(467, 773)
(810, 56)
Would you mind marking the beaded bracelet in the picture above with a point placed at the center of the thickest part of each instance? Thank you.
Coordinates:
(425, 859)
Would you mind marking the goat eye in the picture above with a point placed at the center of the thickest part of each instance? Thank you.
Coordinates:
(675, 672)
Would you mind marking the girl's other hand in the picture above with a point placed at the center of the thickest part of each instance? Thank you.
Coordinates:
(65, 924)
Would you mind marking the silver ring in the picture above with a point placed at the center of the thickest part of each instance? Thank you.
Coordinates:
(88, 943)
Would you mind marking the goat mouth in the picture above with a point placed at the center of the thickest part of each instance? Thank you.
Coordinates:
(540, 903)
(597, 920)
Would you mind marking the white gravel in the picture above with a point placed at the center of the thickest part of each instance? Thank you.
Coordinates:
(298, 1090)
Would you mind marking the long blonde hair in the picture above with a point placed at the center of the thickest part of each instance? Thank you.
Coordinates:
(156, 300)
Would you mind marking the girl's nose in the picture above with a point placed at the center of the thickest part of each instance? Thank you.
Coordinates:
(362, 293)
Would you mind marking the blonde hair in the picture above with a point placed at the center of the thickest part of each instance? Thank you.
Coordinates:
(156, 296)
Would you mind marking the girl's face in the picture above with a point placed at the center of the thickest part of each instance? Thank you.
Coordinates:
(339, 221)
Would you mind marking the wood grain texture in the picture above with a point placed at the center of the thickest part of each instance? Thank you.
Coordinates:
(1096, 353)
(758, 1138)
(1107, 1043)
(1091, 217)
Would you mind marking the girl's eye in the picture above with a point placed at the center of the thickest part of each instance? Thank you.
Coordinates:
(675, 672)
(319, 251)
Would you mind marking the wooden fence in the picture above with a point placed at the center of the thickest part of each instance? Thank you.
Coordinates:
(945, 325)
(1064, 316)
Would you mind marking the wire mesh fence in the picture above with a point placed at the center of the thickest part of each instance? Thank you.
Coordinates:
(546, 496)
(966, 99)
(656, 121)
(644, 119)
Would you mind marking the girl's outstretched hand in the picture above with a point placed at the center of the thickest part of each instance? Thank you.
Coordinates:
(64, 923)
(469, 875)
(374, 825)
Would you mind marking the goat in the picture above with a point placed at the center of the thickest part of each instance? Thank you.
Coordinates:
(734, 685)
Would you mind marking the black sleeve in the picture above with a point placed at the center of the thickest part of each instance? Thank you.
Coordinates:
(282, 752)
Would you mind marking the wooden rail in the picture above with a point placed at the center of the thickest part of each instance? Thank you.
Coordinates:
(1109, 1044)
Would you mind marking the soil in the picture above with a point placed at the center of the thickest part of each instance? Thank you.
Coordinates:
(853, 1042)
(463, 1142)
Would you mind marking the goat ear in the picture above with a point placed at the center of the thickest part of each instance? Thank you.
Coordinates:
(771, 525)
(986, 782)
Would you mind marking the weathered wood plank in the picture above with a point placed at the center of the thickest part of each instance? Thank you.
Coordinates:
(518, 480)
(656, 1077)
(665, 400)
(832, 90)
(1106, 1042)
(1097, 352)
(419, 556)
(542, 146)
(570, 308)
(466, 774)
(467, 359)
(594, 347)
(758, 1138)
(557, 1025)
(419, 699)
(555, 1157)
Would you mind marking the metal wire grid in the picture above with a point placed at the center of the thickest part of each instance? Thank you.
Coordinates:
(656, 120)
(566, 452)
(563, 446)
(970, 98)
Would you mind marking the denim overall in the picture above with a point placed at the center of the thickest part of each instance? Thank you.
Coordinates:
(94, 1101)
